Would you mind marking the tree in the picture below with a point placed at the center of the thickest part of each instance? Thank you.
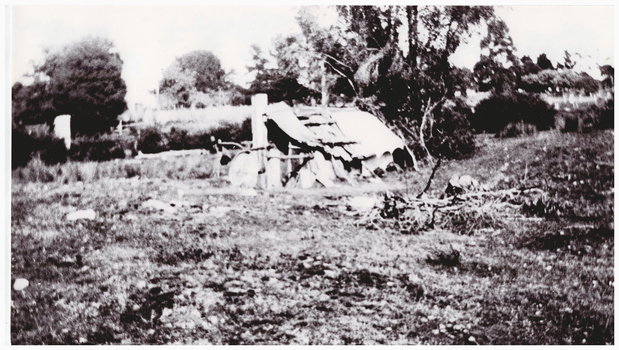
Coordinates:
(543, 62)
(409, 87)
(31, 104)
(194, 79)
(497, 70)
(567, 61)
(528, 66)
(558, 81)
(84, 80)
(608, 72)
(362, 57)
(279, 84)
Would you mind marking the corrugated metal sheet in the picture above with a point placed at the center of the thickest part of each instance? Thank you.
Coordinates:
(346, 134)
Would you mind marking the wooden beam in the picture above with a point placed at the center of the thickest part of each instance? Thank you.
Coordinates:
(259, 103)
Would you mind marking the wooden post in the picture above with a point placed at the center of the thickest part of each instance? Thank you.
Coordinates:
(274, 170)
(259, 103)
(289, 161)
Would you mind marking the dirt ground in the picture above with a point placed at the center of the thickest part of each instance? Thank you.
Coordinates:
(193, 262)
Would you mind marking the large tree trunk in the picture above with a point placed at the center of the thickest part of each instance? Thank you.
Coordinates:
(323, 82)
(413, 34)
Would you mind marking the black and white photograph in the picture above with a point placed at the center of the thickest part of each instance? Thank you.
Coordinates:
(324, 174)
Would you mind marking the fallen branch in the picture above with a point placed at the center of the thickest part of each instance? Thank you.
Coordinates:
(438, 163)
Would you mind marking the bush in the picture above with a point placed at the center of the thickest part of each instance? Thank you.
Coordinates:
(26, 145)
(495, 113)
(517, 129)
(153, 140)
(228, 131)
(452, 135)
(101, 148)
(598, 117)
(21, 149)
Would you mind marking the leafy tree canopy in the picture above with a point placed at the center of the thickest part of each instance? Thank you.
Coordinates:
(543, 62)
(82, 79)
(195, 79)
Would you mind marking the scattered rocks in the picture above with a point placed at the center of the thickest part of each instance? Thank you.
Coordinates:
(20, 284)
(87, 214)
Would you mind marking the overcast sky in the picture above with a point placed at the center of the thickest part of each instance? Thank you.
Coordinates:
(148, 38)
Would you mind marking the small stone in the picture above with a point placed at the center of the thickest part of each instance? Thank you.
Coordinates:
(88, 214)
(150, 331)
(361, 203)
(435, 331)
(140, 285)
(166, 312)
(548, 268)
(472, 339)
(83, 340)
(195, 314)
(20, 284)
(330, 273)
(458, 328)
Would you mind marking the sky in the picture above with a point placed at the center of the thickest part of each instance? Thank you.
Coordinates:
(149, 38)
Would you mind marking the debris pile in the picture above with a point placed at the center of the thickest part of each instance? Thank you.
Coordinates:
(463, 212)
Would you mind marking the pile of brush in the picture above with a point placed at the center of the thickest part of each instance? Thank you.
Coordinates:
(463, 213)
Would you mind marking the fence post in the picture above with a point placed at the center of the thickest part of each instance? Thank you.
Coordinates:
(62, 129)
(259, 103)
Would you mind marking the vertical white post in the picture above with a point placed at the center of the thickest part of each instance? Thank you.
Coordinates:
(259, 103)
(62, 129)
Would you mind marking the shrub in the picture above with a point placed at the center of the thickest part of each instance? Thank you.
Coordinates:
(227, 131)
(604, 117)
(453, 136)
(152, 141)
(22, 148)
(495, 113)
(101, 147)
(517, 129)
(599, 117)
(25, 146)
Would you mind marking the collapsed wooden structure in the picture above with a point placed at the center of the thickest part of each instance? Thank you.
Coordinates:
(310, 146)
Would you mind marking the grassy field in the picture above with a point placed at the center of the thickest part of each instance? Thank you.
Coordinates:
(299, 267)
